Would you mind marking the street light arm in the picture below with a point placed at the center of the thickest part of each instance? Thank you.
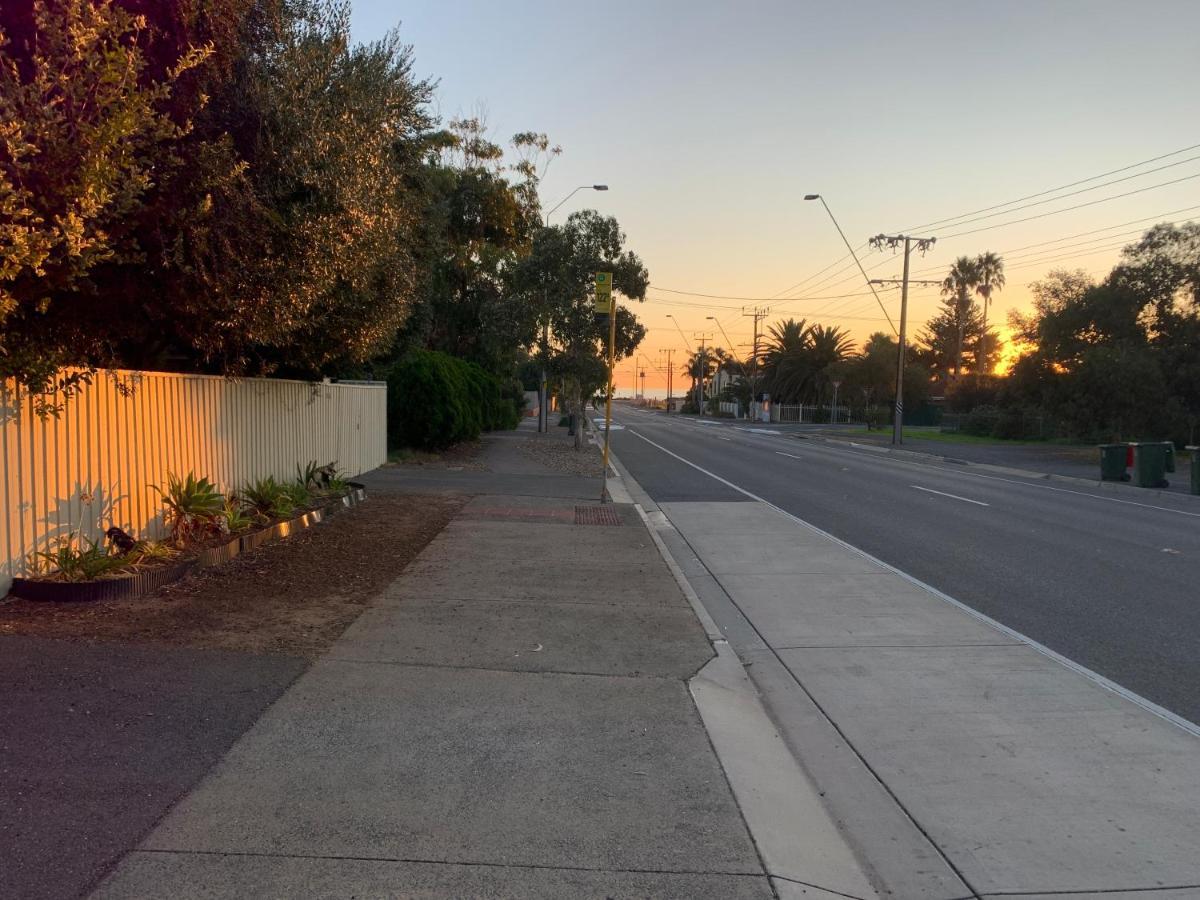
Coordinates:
(681, 334)
(833, 219)
(582, 187)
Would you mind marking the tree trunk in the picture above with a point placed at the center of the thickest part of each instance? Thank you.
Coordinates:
(577, 401)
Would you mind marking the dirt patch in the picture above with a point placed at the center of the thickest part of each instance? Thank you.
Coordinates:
(557, 452)
(460, 457)
(292, 596)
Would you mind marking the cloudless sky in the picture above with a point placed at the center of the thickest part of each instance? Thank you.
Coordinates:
(711, 120)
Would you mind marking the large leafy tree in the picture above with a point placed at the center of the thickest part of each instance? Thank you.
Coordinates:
(324, 270)
(556, 280)
(1118, 357)
(481, 218)
(870, 375)
(83, 128)
(254, 201)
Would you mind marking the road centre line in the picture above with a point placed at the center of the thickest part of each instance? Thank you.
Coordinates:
(951, 496)
(1095, 677)
(789, 455)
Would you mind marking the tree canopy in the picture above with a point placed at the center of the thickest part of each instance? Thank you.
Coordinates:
(237, 187)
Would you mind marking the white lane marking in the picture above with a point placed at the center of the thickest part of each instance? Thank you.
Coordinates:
(1095, 677)
(951, 496)
(882, 456)
(1047, 487)
(789, 455)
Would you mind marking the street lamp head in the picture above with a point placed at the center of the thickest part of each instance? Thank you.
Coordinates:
(599, 187)
(812, 196)
(711, 318)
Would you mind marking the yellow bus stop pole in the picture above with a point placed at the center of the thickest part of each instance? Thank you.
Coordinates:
(612, 346)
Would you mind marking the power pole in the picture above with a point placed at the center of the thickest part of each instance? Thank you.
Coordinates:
(670, 376)
(892, 241)
(759, 313)
(642, 375)
(702, 337)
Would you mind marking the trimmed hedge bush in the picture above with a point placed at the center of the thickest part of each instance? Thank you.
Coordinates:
(435, 400)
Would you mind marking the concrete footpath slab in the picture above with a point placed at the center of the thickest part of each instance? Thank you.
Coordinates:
(1029, 778)
(495, 725)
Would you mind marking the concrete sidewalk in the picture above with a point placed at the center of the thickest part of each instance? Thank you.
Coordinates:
(961, 760)
(511, 718)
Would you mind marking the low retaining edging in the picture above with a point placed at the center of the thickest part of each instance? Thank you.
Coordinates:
(139, 583)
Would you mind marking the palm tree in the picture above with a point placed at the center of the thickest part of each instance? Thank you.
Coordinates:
(785, 362)
(827, 346)
(962, 279)
(990, 269)
(699, 365)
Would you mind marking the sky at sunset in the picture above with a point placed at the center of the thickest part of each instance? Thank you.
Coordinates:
(710, 121)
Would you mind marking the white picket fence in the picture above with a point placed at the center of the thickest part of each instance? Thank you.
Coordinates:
(800, 413)
(97, 463)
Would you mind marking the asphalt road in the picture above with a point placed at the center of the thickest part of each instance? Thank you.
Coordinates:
(1110, 578)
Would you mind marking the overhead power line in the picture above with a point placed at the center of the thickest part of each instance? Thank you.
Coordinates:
(1162, 217)
(1055, 212)
(1061, 187)
(815, 274)
(961, 220)
(752, 299)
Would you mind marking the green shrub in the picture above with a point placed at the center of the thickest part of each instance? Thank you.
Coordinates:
(268, 498)
(84, 560)
(435, 400)
(980, 421)
(193, 507)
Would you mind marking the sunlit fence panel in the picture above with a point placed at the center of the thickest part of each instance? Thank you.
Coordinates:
(98, 462)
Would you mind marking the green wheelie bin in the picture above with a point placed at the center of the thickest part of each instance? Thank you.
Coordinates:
(1112, 462)
(1195, 451)
(1150, 465)
(1169, 446)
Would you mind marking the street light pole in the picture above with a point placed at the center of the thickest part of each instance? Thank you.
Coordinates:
(724, 335)
(543, 392)
(703, 361)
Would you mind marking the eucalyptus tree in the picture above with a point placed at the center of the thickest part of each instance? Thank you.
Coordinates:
(556, 281)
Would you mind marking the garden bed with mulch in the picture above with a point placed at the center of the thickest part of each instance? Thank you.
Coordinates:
(292, 597)
(464, 456)
(556, 451)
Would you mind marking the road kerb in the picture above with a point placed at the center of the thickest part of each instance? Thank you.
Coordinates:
(801, 846)
(791, 827)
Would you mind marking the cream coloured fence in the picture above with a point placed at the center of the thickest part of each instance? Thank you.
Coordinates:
(97, 461)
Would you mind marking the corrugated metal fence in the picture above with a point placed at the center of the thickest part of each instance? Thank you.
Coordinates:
(95, 463)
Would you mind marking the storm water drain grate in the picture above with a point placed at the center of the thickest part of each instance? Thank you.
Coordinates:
(596, 515)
